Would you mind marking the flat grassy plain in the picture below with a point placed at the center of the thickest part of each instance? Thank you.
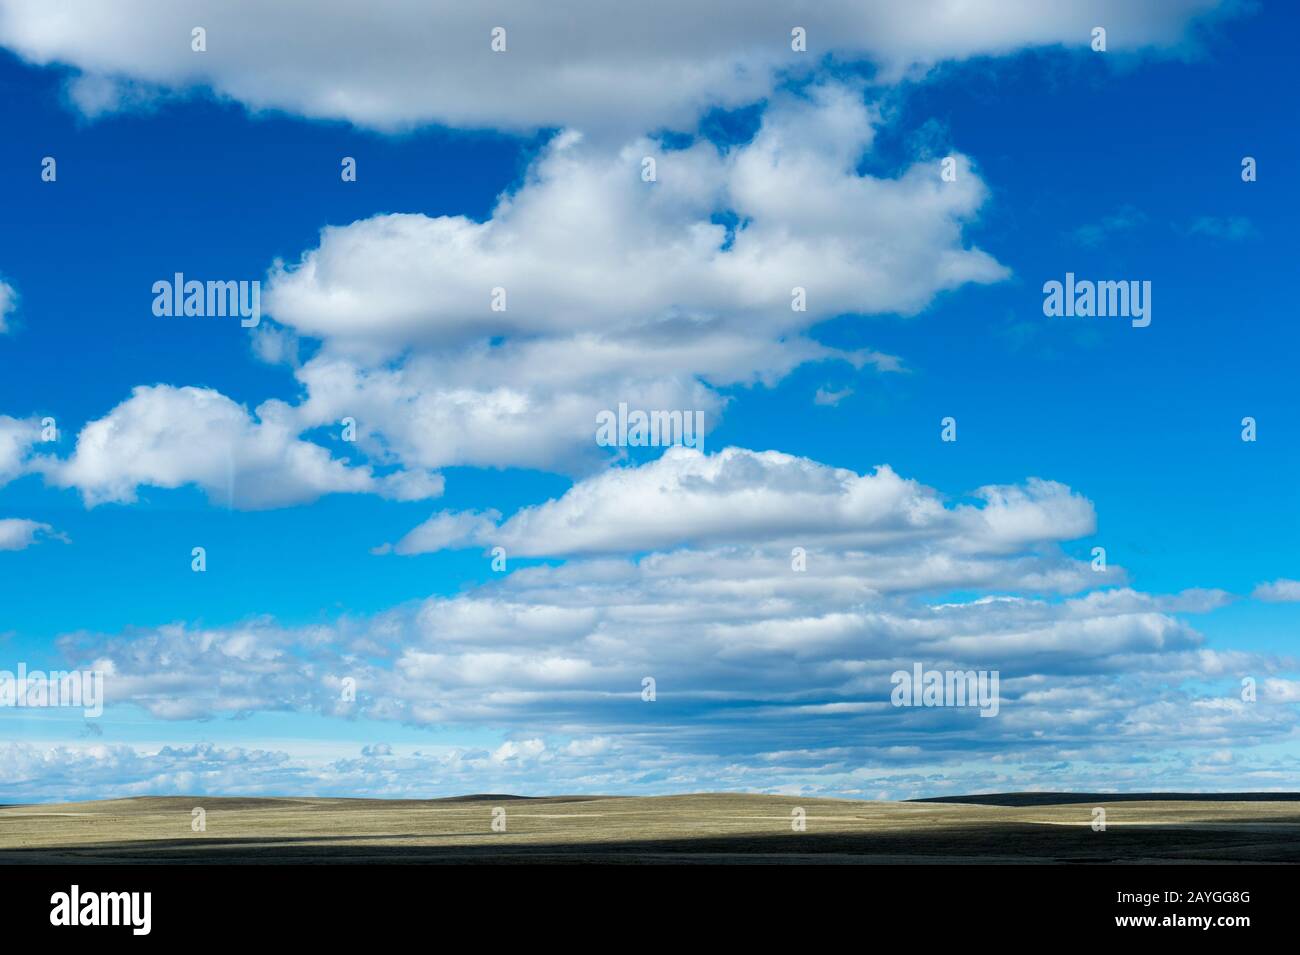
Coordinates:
(709, 827)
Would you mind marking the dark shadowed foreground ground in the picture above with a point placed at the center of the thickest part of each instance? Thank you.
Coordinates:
(717, 827)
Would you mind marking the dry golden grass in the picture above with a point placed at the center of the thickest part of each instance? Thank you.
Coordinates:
(711, 827)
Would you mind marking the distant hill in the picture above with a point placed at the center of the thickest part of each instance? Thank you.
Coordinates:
(1065, 799)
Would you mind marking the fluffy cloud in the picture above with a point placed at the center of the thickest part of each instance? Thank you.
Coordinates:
(754, 664)
(74, 771)
(659, 295)
(70, 771)
(617, 289)
(757, 662)
(446, 530)
(740, 496)
(397, 63)
(17, 438)
(532, 405)
(19, 534)
(1281, 590)
(597, 765)
(170, 437)
(586, 246)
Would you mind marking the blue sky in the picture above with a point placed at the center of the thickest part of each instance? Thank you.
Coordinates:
(1117, 165)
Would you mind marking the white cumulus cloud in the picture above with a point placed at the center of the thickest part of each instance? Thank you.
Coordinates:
(737, 495)
(170, 437)
(398, 63)
(619, 290)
